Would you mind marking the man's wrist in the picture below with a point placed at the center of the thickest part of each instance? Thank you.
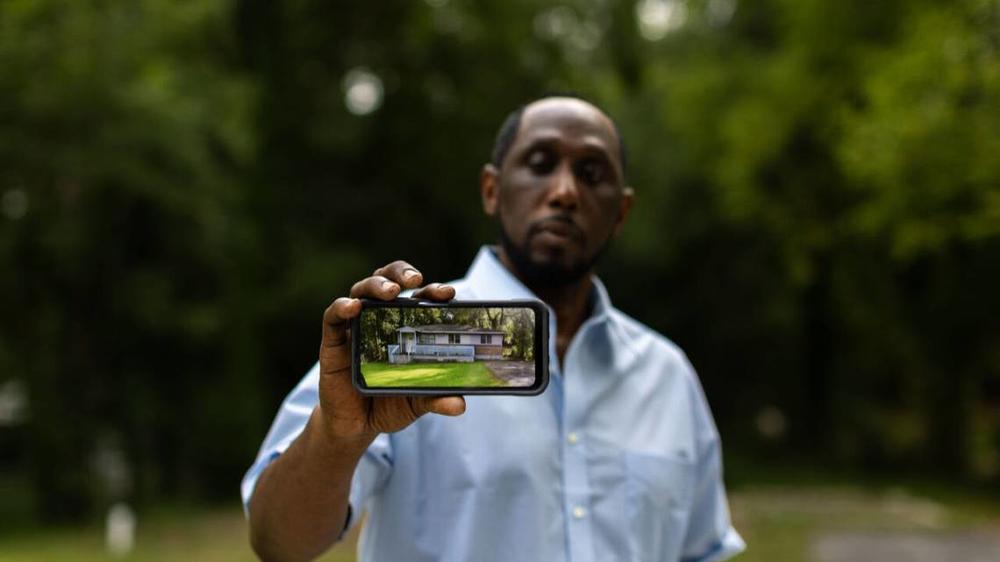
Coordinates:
(338, 448)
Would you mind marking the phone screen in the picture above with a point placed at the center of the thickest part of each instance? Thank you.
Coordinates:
(472, 346)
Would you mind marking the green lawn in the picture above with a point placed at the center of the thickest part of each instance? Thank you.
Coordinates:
(429, 374)
(166, 535)
(780, 523)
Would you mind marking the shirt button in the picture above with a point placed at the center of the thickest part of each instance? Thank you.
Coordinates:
(572, 438)
(579, 513)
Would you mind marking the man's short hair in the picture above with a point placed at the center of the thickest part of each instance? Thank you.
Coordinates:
(512, 124)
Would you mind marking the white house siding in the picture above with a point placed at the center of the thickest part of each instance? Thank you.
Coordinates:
(476, 339)
(466, 339)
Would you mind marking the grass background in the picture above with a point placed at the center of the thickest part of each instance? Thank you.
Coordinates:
(429, 374)
(779, 522)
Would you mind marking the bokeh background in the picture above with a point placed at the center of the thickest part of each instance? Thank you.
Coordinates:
(186, 184)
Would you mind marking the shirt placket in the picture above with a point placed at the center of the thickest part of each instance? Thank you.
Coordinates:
(577, 503)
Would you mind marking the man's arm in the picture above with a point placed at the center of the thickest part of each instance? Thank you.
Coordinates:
(710, 534)
(299, 506)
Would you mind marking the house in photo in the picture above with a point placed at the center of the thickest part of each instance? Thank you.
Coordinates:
(446, 342)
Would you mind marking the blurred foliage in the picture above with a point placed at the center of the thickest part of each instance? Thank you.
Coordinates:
(126, 133)
(184, 190)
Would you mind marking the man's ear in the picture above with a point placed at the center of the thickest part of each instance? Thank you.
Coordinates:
(489, 188)
(628, 197)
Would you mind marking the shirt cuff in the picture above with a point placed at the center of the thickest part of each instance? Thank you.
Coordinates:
(730, 545)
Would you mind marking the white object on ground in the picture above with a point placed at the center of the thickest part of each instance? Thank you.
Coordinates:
(119, 535)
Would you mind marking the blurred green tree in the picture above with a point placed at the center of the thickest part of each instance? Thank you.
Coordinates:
(186, 185)
(125, 132)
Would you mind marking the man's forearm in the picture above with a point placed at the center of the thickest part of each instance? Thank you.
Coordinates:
(299, 505)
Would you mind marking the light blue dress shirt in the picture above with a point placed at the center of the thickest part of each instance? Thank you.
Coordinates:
(619, 459)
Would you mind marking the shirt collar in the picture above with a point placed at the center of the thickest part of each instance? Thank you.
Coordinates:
(489, 278)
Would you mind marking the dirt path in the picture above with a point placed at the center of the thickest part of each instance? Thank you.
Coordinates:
(967, 546)
(513, 373)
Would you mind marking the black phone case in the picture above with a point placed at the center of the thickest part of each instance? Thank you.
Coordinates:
(541, 343)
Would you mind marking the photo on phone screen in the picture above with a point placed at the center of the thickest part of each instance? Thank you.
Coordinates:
(472, 346)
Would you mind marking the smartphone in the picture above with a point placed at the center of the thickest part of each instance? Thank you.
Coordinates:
(410, 346)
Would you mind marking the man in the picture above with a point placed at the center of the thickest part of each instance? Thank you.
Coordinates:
(618, 459)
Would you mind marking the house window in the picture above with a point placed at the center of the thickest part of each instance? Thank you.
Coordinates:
(427, 338)
(486, 338)
(453, 338)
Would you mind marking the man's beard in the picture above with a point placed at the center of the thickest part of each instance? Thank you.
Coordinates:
(543, 276)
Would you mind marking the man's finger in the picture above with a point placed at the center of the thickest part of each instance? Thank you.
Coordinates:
(401, 272)
(376, 287)
(436, 292)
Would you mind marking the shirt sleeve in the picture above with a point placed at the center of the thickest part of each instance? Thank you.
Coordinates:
(372, 471)
(710, 536)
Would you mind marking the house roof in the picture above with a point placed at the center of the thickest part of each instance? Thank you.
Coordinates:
(448, 329)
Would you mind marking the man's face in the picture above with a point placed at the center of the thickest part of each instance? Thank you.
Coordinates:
(559, 193)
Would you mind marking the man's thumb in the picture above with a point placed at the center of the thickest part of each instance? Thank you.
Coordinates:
(445, 405)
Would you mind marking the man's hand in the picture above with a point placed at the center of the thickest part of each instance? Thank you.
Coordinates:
(347, 415)
(299, 505)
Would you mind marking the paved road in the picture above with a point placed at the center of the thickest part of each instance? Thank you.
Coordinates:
(965, 546)
(514, 373)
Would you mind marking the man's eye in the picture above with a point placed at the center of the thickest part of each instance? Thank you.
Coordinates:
(541, 162)
(591, 172)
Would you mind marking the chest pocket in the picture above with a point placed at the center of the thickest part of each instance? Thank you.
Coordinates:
(658, 496)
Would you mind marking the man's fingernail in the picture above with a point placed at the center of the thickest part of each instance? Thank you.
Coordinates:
(388, 285)
(410, 274)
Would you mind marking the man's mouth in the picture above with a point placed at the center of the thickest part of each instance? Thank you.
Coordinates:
(558, 230)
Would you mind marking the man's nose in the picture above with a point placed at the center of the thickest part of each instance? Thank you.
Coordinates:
(564, 192)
